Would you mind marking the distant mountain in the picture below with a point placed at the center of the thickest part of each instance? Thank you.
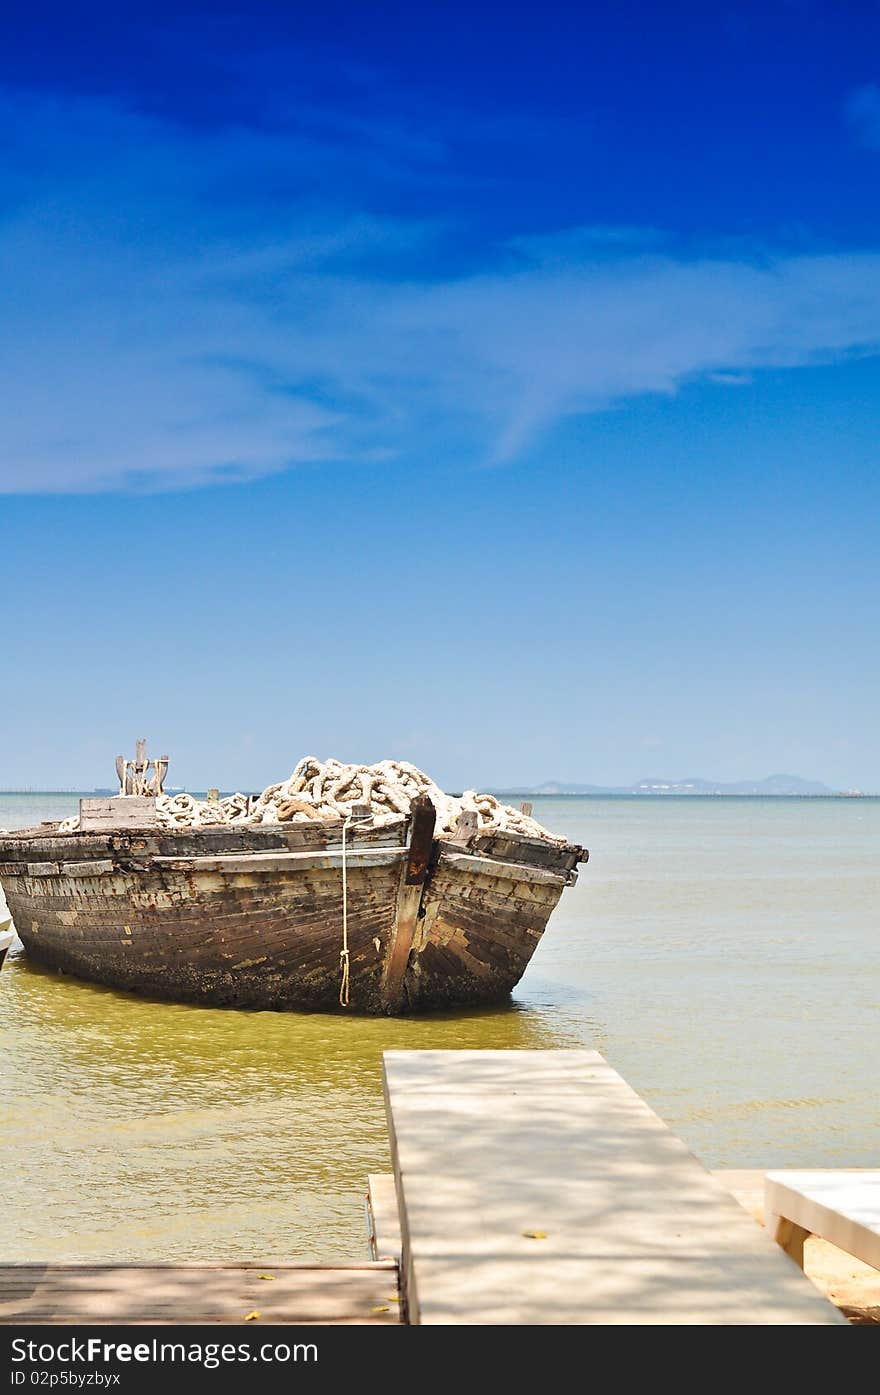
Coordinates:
(772, 785)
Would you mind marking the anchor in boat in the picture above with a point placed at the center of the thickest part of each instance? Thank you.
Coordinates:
(141, 776)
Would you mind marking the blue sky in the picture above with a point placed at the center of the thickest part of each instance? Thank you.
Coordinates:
(495, 390)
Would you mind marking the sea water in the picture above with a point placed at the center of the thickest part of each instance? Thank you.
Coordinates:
(723, 954)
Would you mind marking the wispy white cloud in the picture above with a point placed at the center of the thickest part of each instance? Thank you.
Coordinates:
(182, 307)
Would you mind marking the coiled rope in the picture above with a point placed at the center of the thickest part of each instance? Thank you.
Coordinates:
(325, 791)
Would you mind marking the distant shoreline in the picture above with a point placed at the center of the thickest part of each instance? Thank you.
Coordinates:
(562, 794)
(675, 794)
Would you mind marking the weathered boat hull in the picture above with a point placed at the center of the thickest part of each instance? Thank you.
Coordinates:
(254, 917)
(480, 928)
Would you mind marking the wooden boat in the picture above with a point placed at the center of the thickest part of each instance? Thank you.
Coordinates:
(380, 917)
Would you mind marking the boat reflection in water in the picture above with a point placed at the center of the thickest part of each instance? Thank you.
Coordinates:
(139, 1129)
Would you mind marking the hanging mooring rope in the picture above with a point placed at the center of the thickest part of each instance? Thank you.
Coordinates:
(344, 958)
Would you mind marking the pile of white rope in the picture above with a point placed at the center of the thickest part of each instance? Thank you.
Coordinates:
(328, 790)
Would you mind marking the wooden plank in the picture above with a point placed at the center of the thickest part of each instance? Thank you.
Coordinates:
(466, 825)
(788, 1236)
(196, 1293)
(22, 845)
(383, 1218)
(121, 811)
(841, 1206)
(100, 867)
(409, 902)
(851, 1284)
(507, 871)
(537, 1187)
(509, 846)
(329, 859)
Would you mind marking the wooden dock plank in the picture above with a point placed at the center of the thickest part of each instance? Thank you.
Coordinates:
(537, 1187)
(198, 1293)
(840, 1206)
(383, 1218)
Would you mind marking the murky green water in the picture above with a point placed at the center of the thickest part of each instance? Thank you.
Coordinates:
(724, 955)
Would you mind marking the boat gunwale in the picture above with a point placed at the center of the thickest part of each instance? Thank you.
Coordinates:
(450, 855)
(143, 844)
(485, 864)
(97, 852)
